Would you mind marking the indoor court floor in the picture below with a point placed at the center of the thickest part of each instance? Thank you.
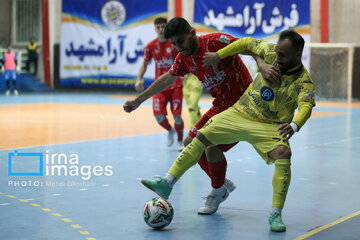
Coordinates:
(105, 152)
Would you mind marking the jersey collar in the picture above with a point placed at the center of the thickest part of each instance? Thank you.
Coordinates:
(294, 70)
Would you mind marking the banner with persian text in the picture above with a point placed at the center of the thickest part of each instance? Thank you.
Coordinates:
(262, 19)
(102, 41)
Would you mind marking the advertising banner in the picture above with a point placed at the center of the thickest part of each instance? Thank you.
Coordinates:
(262, 19)
(102, 42)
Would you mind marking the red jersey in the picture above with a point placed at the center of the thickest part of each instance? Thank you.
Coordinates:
(163, 54)
(232, 78)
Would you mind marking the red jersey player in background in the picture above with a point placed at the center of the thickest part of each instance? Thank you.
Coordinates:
(163, 53)
(226, 84)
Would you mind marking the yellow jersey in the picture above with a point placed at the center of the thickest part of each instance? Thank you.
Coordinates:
(273, 104)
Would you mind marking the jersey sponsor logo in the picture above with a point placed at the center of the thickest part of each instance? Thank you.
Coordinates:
(267, 94)
(164, 63)
(113, 13)
(212, 82)
(224, 39)
(156, 105)
(264, 106)
(193, 69)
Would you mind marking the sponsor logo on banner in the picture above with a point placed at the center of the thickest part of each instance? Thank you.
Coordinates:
(113, 14)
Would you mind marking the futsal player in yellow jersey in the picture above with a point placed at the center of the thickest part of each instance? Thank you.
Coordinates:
(263, 116)
(192, 89)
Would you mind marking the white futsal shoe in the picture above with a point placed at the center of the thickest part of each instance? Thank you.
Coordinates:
(229, 185)
(213, 200)
(180, 146)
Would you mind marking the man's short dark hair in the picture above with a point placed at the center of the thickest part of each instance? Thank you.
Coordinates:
(177, 26)
(160, 20)
(296, 39)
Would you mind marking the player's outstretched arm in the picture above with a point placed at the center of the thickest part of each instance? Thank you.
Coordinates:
(139, 85)
(160, 84)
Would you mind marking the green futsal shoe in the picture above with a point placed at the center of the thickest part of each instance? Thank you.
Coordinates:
(276, 223)
(158, 185)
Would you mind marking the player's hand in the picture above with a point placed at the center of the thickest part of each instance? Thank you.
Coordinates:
(285, 130)
(139, 86)
(211, 59)
(270, 74)
(131, 105)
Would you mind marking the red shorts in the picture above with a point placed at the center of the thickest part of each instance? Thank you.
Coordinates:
(211, 112)
(174, 96)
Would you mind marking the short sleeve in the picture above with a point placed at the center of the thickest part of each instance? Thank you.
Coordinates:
(179, 67)
(148, 53)
(306, 92)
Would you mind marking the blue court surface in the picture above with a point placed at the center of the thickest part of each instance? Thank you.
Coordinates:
(101, 197)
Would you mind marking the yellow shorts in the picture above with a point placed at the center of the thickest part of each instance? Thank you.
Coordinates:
(230, 126)
(192, 90)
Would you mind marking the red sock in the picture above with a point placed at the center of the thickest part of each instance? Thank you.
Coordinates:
(180, 131)
(204, 164)
(165, 124)
(218, 172)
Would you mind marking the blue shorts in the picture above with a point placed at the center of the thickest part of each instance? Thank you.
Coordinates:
(10, 74)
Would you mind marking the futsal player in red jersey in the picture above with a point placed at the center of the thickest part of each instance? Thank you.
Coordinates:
(226, 84)
(163, 53)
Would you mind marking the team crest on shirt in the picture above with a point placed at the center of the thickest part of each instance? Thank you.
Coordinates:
(267, 94)
(224, 39)
(168, 50)
(310, 94)
(113, 13)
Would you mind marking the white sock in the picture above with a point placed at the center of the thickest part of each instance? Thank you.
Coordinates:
(219, 191)
(170, 179)
(276, 209)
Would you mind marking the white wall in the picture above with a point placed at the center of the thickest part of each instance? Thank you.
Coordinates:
(55, 10)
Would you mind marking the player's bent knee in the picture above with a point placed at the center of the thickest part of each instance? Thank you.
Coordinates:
(214, 154)
(187, 140)
(283, 152)
(159, 118)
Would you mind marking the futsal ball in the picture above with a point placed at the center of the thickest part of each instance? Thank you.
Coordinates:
(158, 213)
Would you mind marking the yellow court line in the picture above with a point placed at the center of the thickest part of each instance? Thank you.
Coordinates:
(315, 231)
(83, 232)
